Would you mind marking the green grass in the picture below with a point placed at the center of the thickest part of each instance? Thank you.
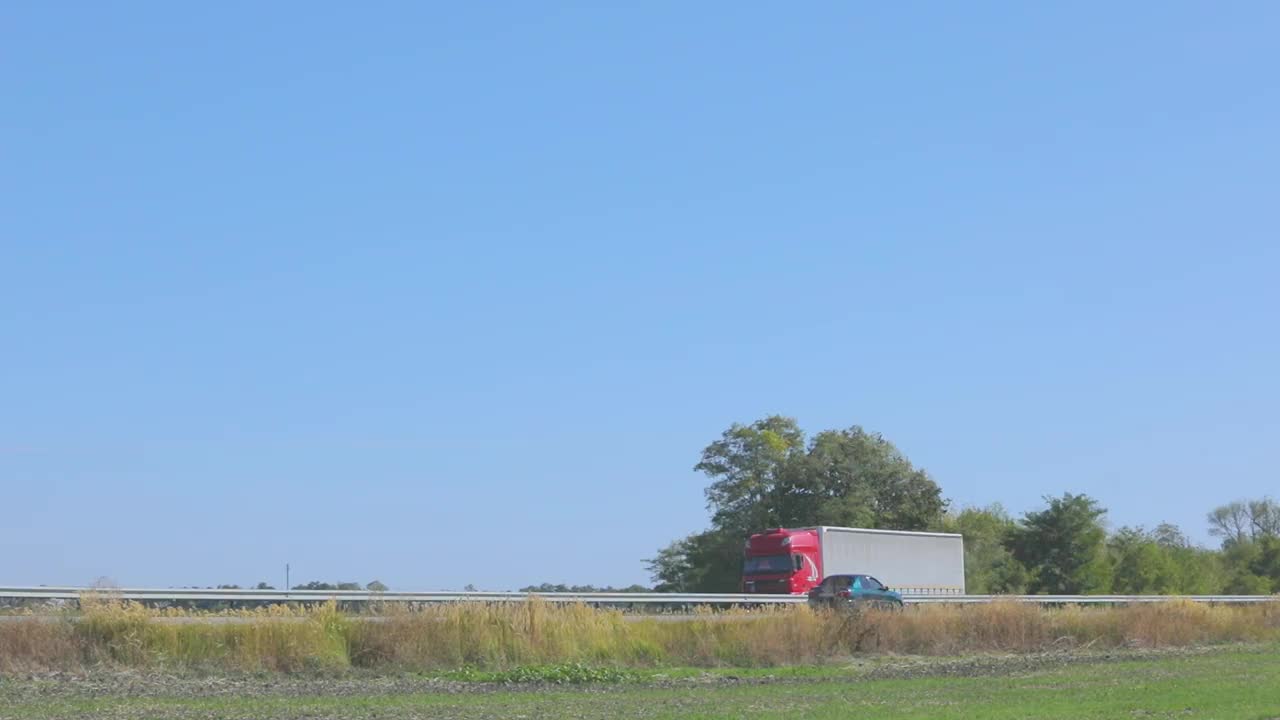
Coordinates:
(1229, 684)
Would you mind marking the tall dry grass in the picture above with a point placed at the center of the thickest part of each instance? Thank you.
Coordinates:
(111, 633)
(37, 644)
(1019, 627)
(499, 635)
(504, 635)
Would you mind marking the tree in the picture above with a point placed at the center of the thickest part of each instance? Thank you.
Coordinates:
(1245, 520)
(1170, 536)
(376, 586)
(989, 567)
(1253, 566)
(767, 474)
(709, 561)
(1266, 563)
(746, 465)
(1246, 583)
(1230, 522)
(1063, 546)
(671, 569)
(1196, 570)
(263, 586)
(317, 585)
(1250, 532)
(561, 587)
(1239, 556)
(1264, 518)
(857, 479)
(1142, 565)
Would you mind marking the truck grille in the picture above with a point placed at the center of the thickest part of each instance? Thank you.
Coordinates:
(768, 586)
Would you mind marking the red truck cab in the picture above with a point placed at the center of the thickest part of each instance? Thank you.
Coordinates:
(782, 562)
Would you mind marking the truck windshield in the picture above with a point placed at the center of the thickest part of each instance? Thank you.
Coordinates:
(769, 564)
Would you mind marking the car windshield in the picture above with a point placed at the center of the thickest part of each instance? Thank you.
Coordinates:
(769, 564)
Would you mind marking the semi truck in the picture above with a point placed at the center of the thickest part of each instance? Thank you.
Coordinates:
(794, 561)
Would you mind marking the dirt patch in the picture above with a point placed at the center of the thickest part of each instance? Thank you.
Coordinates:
(1021, 664)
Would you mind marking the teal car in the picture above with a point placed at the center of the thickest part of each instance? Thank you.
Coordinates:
(853, 591)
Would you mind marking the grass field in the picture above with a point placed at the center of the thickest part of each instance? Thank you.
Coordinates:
(1234, 683)
(290, 640)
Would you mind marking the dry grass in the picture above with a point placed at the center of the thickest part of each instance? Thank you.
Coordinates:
(1015, 627)
(37, 645)
(499, 635)
(504, 635)
(277, 638)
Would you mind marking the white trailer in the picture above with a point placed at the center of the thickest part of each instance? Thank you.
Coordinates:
(908, 562)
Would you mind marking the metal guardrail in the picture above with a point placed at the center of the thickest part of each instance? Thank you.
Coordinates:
(1090, 599)
(304, 596)
(624, 599)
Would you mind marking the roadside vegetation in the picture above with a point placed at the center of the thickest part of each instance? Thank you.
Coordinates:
(771, 474)
(506, 636)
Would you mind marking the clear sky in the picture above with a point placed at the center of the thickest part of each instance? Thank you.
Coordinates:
(449, 293)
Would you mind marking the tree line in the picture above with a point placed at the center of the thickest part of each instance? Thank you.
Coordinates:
(562, 588)
(374, 586)
(770, 474)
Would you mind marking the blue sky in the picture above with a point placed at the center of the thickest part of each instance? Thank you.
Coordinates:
(443, 295)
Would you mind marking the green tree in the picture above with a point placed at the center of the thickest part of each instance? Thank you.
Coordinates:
(745, 466)
(856, 478)
(1266, 563)
(376, 586)
(1197, 571)
(1264, 518)
(671, 569)
(1250, 532)
(1170, 536)
(561, 587)
(709, 561)
(1230, 522)
(767, 474)
(1142, 565)
(989, 567)
(1063, 546)
(1245, 520)
(1243, 560)
(317, 585)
